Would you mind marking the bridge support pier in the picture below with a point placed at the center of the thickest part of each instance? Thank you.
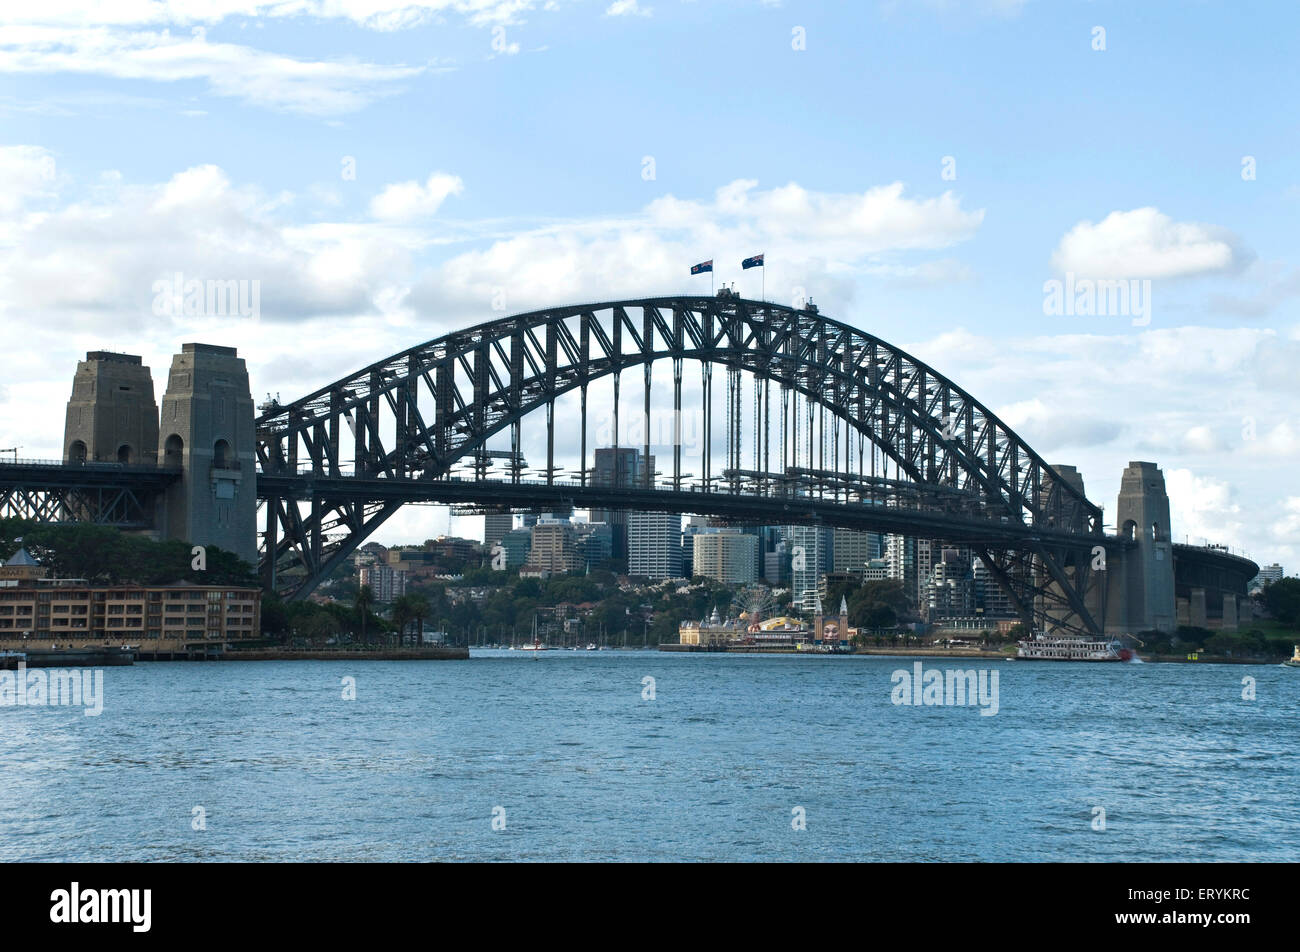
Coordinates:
(207, 426)
(1141, 573)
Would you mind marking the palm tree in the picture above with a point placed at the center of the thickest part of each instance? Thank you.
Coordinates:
(419, 607)
(364, 599)
(401, 615)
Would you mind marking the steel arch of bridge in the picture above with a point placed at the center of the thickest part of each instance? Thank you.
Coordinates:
(409, 419)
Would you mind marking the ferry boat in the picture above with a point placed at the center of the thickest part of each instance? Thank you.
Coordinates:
(1294, 660)
(1044, 648)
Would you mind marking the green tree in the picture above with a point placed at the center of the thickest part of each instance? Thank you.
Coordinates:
(1282, 600)
(401, 615)
(418, 605)
(364, 598)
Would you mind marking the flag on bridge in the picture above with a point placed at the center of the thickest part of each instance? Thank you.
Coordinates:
(702, 267)
(754, 262)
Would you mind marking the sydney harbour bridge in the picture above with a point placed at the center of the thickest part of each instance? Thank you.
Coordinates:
(795, 418)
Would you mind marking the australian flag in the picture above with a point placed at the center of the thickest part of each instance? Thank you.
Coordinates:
(754, 262)
(702, 267)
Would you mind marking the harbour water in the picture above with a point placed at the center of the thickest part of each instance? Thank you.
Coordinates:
(578, 757)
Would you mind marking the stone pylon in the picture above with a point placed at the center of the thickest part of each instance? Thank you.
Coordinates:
(111, 416)
(207, 432)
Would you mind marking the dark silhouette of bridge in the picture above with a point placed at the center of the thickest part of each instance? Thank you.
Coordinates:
(822, 423)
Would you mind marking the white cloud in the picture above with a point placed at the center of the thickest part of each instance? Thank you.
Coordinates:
(409, 200)
(99, 257)
(1287, 528)
(267, 79)
(373, 14)
(1202, 439)
(1203, 509)
(623, 8)
(1144, 243)
(1005, 8)
(27, 172)
(812, 240)
(1178, 397)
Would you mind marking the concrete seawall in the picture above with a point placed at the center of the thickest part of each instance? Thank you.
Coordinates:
(396, 654)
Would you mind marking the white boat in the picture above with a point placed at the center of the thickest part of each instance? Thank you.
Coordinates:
(537, 644)
(1294, 660)
(591, 646)
(1045, 648)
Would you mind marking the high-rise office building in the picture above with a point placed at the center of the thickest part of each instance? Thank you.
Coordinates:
(654, 545)
(851, 550)
(618, 467)
(517, 543)
(595, 543)
(553, 550)
(726, 555)
(495, 526)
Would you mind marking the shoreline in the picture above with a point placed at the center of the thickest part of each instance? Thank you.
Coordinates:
(977, 653)
(324, 654)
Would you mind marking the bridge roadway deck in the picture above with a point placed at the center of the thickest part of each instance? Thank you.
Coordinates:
(55, 474)
(772, 509)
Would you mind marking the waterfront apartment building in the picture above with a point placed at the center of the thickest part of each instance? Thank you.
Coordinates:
(990, 599)
(725, 555)
(949, 589)
(654, 545)
(34, 607)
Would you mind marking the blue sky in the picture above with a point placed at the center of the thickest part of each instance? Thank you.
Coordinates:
(502, 144)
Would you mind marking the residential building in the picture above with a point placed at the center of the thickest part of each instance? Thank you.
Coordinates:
(386, 583)
(810, 559)
(36, 608)
(1267, 575)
